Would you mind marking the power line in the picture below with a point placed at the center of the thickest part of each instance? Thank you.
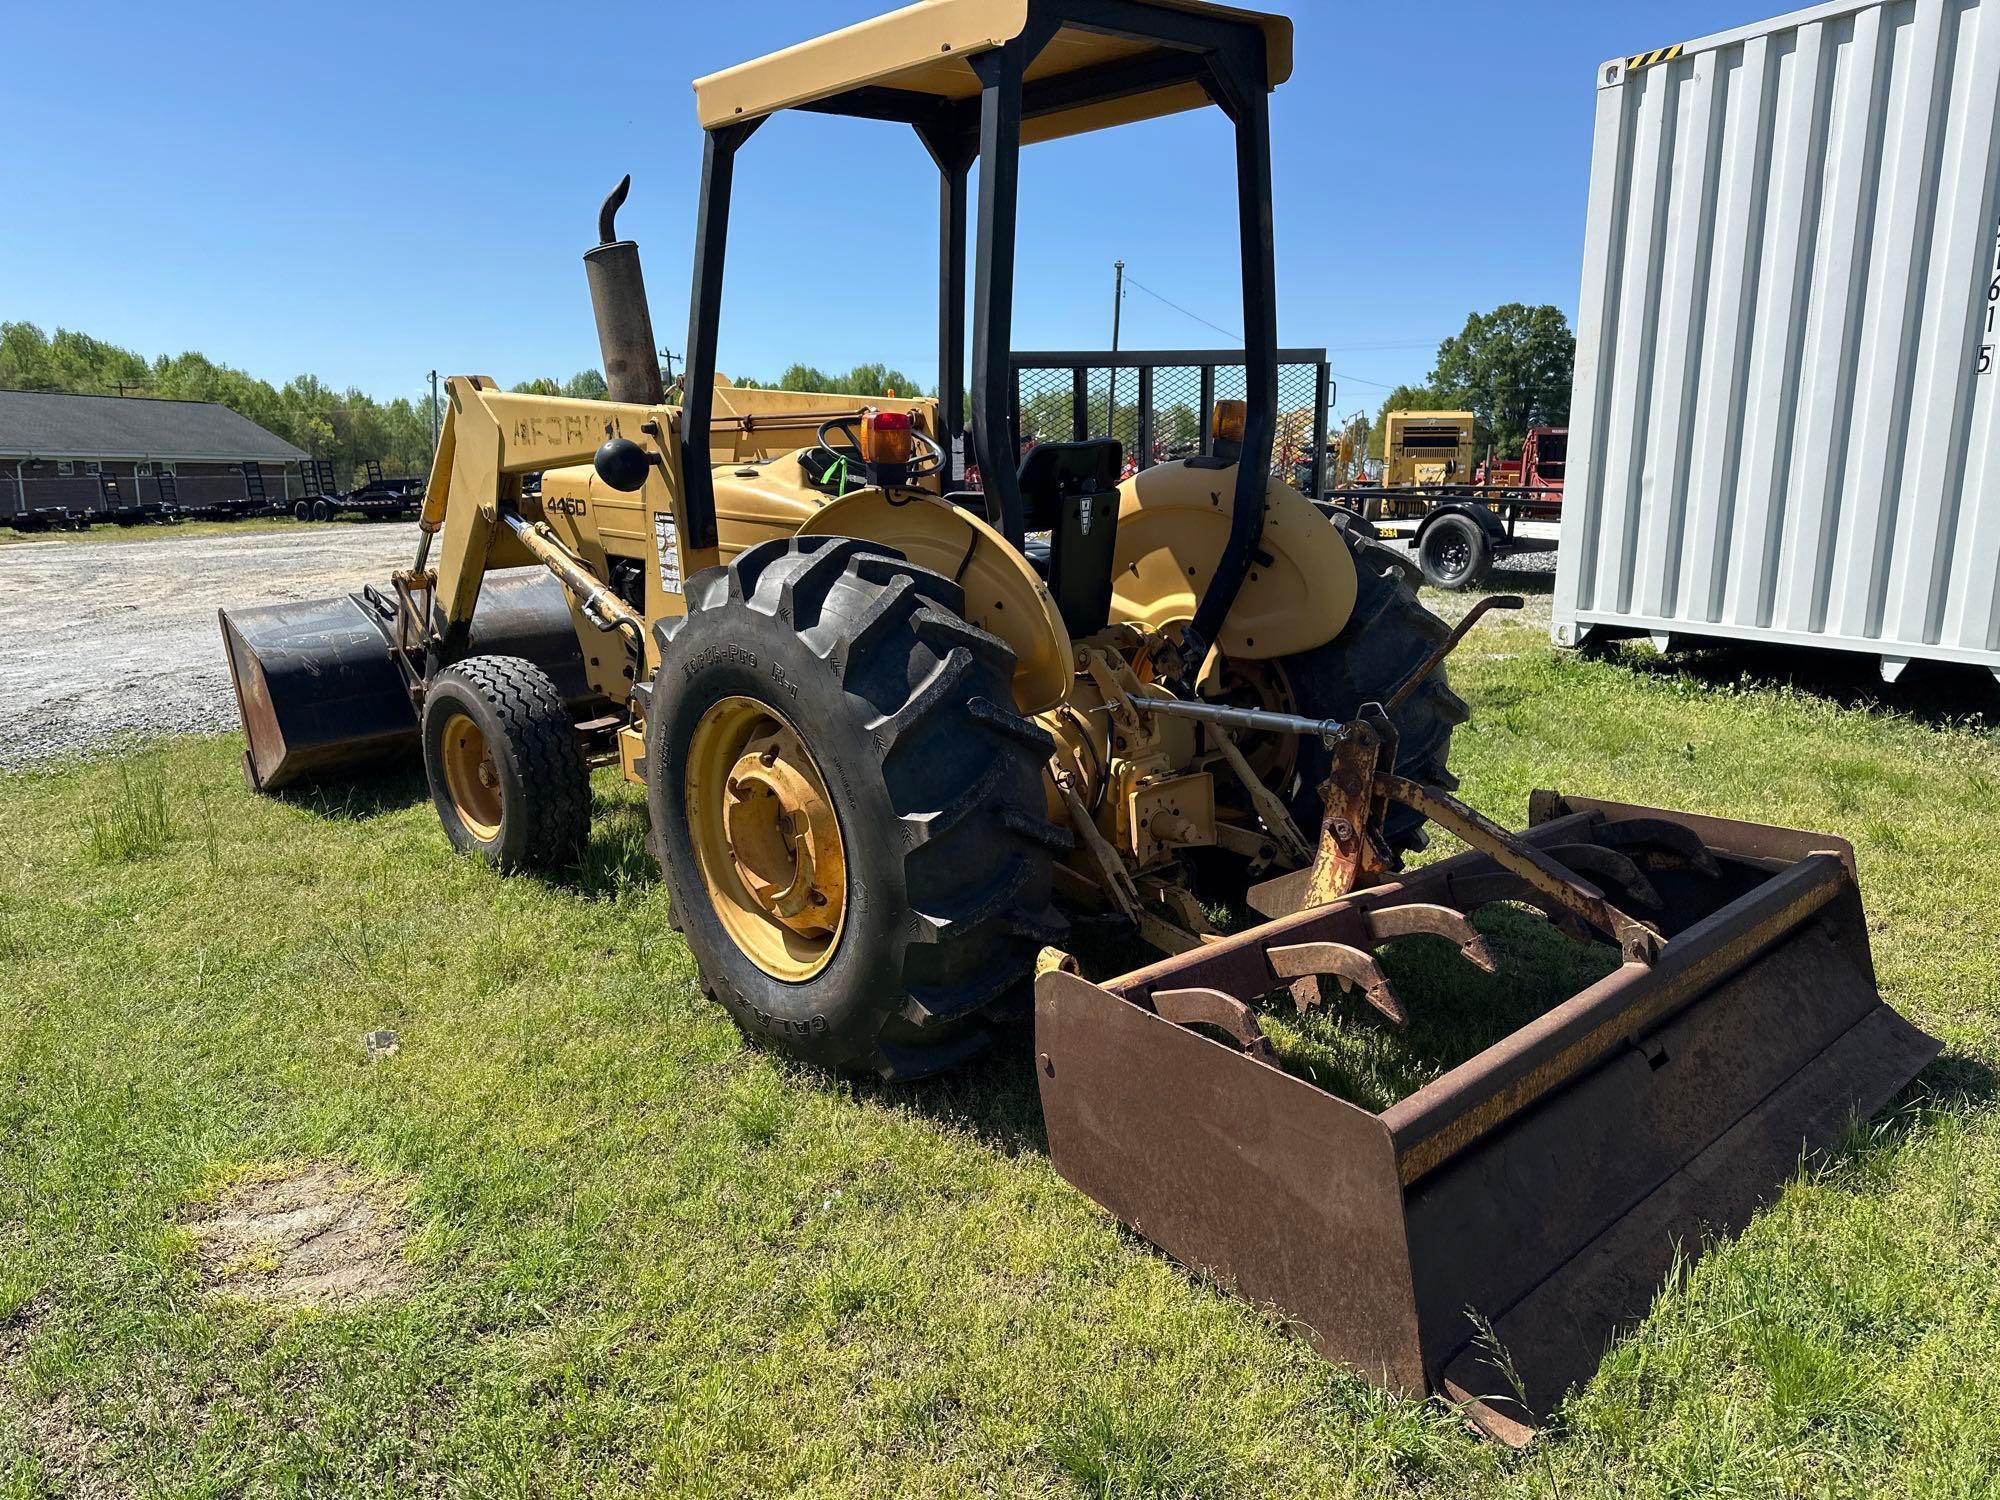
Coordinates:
(1132, 280)
(1380, 348)
(1380, 385)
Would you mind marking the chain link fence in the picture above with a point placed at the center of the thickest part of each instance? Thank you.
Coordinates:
(1159, 404)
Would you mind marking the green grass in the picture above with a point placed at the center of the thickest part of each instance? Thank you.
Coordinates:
(650, 1260)
(104, 532)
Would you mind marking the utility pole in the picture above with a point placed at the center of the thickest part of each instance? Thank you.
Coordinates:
(1117, 315)
(434, 411)
(669, 356)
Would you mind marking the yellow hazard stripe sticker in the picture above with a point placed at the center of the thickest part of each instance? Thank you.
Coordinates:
(1647, 59)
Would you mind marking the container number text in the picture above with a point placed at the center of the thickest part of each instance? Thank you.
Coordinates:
(1983, 363)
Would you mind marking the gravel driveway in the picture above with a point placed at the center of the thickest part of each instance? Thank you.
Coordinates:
(100, 641)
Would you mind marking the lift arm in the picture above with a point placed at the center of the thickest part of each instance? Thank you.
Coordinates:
(489, 441)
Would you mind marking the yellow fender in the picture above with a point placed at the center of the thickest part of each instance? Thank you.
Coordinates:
(1173, 522)
(1004, 596)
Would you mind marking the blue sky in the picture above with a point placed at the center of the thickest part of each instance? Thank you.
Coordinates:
(366, 191)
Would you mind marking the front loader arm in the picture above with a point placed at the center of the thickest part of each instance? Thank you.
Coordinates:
(489, 440)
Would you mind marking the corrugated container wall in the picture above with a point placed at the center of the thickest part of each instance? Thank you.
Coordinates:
(1788, 349)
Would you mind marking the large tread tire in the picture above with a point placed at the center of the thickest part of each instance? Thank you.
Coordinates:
(935, 779)
(1386, 639)
(543, 779)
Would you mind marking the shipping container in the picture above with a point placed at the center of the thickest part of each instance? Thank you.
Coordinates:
(1788, 341)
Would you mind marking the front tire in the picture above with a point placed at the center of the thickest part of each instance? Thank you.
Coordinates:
(825, 688)
(506, 771)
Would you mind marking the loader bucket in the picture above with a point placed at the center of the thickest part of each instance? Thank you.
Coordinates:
(1546, 1184)
(320, 692)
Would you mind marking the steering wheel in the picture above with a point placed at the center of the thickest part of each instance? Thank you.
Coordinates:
(930, 457)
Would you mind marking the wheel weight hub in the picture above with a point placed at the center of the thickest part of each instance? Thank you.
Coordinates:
(783, 837)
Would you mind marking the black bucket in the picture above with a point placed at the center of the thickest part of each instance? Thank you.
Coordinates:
(319, 689)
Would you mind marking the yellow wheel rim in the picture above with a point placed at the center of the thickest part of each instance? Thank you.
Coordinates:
(472, 778)
(1264, 685)
(766, 839)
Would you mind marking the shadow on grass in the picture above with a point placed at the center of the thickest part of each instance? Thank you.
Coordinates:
(1456, 1011)
(1506, 577)
(358, 797)
(1956, 1083)
(617, 858)
(1941, 694)
(994, 1099)
(1343, 1047)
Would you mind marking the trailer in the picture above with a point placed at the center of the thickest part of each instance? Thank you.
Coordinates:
(377, 497)
(131, 510)
(208, 503)
(1457, 532)
(48, 518)
(1460, 516)
(1786, 415)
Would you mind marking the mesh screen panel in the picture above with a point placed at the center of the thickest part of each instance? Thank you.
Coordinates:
(1157, 412)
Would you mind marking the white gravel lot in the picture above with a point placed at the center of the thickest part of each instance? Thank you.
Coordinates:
(103, 641)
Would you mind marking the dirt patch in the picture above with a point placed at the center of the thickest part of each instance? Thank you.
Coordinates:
(321, 1236)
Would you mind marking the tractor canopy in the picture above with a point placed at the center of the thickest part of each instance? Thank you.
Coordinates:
(978, 79)
(920, 59)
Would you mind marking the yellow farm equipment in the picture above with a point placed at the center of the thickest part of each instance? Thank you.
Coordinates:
(897, 736)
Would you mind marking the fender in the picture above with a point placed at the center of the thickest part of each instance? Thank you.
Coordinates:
(1004, 596)
(1173, 522)
(1482, 516)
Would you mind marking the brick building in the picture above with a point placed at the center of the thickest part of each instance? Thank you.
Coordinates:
(95, 457)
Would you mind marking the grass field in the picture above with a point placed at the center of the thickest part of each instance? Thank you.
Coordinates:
(646, 1259)
(104, 533)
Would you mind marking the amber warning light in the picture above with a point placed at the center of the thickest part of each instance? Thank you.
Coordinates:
(885, 438)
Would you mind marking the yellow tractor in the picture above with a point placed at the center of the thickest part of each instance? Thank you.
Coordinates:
(896, 733)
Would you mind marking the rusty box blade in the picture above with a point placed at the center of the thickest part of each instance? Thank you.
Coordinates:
(320, 693)
(1545, 1184)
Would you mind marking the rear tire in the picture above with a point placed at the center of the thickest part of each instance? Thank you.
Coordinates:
(862, 666)
(1455, 553)
(302, 510)
(321, 511)
(506, 771)
(1386, 639)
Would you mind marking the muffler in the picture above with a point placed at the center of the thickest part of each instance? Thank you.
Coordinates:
(321, 693)
(1486, 1237)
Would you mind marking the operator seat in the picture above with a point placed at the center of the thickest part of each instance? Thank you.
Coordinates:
(1070, 491)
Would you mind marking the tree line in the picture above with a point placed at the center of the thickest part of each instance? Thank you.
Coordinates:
(346, 427)
(1511, 368)
(862, 380)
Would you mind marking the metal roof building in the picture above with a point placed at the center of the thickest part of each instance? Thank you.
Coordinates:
(43, 424)
(67, 458)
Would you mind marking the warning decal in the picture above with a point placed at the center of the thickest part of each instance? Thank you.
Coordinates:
(667, 540)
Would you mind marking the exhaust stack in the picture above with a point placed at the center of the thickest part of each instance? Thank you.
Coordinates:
(618, 298)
